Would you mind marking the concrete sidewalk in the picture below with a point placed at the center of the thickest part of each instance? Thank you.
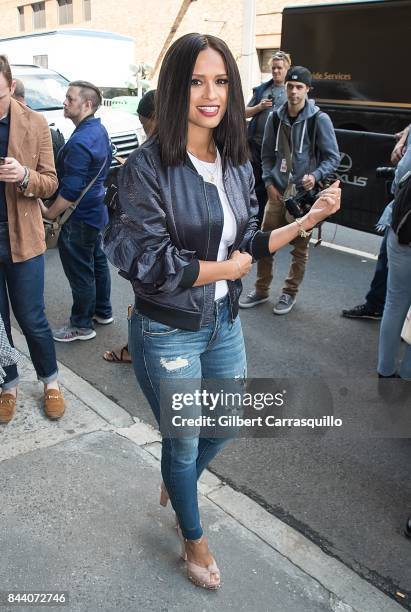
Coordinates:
(80, 513)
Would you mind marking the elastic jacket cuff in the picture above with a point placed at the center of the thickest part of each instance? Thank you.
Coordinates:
(259, 245)
(190, 274)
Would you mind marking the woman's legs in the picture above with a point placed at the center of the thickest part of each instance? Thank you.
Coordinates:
(224, 360)
(396, 307)
(161, 353)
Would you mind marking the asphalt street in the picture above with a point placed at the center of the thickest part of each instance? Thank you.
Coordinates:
(349, 494)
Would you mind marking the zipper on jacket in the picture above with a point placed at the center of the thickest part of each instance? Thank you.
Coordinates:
(232, 248)
(208, 240)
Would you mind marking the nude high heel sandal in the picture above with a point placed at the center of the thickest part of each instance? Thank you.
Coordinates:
(205, 577)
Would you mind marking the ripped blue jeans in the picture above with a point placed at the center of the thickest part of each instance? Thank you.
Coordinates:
(160, 352)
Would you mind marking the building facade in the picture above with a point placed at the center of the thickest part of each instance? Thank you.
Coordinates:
(155, 24)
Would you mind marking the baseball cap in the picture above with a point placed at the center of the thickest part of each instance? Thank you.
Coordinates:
(145, 107)
(300, 74)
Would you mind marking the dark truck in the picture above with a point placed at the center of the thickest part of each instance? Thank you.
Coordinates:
(359, 54)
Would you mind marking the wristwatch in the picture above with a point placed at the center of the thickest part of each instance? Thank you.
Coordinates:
(301, 231)
(22, 186)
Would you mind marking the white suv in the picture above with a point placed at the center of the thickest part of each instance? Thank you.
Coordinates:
(45, 92)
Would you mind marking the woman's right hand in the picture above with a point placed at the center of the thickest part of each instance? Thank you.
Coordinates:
(242, 263)
(265, 103)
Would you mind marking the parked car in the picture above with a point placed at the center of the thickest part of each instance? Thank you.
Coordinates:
(45, 93)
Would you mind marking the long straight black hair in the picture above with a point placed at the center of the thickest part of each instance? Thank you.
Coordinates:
(173, 101)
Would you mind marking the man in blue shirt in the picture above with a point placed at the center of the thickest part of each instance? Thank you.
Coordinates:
(86, 155)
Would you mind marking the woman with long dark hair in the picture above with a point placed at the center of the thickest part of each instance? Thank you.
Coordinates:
(185, 234)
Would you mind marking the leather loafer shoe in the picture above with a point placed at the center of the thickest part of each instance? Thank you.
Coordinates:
(7, 407)
(407, 529)
(54, 407)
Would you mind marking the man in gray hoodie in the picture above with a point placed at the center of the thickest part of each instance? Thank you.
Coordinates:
(299, 151)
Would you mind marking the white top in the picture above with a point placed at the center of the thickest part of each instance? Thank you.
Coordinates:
(212, 172)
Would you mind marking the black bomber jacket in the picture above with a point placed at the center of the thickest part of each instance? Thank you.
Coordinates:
(167, 220)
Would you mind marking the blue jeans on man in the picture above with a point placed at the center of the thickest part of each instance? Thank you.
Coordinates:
(375, 298)
(23, 284)
(87, 271)
(373, 307)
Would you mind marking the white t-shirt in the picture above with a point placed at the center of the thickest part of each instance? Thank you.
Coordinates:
(212, 172)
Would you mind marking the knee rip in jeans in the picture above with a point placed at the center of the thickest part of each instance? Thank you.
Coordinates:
(241, 377)
(174, 364)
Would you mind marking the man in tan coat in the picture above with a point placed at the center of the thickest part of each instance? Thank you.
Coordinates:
(26, 173)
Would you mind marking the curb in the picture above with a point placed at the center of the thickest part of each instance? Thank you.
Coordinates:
(348, 591)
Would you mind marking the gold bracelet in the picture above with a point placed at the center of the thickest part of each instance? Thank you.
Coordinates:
(301, 231)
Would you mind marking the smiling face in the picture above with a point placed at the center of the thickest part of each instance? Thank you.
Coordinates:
(209, 90)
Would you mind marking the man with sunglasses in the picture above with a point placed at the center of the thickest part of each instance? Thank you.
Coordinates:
(82, 166)
(266, 97)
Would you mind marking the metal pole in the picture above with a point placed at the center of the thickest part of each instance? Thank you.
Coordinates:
(248, 49)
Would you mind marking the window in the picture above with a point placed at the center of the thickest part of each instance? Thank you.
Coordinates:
(265, 57)
(87, 10)
(43, 91)
(65, 11)
(39, 15)
(41, 60)
(20, 10)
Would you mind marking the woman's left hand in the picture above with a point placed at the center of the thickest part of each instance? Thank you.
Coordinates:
(327, 204)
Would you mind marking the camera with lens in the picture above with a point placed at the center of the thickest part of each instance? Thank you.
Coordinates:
(385, 172)
(300, 204)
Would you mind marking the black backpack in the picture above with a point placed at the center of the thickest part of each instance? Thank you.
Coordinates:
(311, 130)
(58, 142)
(401, 210)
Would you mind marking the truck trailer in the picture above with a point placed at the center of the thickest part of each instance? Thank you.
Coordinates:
(358, 53)
(103, 58)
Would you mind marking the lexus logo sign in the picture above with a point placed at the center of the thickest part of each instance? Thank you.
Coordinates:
(343, 172)
(345, 163)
